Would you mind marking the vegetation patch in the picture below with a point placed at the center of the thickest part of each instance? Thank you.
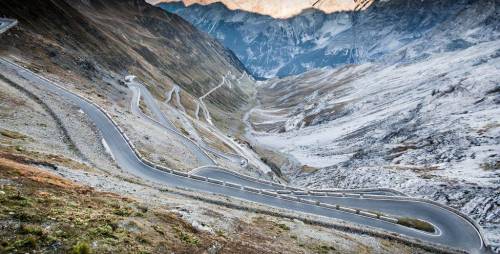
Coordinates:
(490, 166)
(414, 168)
(21, 155)
(31, 229)
(144, 108)
(41, 212)
(308, 169)
(487, 128)
(184, 131)
(322, 249)
(284, 226)
(403, 148)
(81, 248)
(417, 224)
(12, 134)
(186, 237)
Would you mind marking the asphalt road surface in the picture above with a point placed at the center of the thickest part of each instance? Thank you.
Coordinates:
(452, 230)
(198, 149)
(6, 24)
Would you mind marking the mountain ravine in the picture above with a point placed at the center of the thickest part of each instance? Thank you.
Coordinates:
(127, 127)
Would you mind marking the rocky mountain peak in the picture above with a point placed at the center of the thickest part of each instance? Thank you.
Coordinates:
(280, 9)
(281, 47)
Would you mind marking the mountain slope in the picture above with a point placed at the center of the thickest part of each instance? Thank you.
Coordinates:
(88, 47)
(280, 8)
(281, 47)
(429, 127)
(98, 42)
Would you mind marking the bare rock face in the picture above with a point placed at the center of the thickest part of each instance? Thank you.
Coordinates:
(272, 47)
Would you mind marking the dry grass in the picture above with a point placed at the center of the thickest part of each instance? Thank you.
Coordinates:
(308, 169)
(78, 215)
(20, 154)
(415, 168)
(34, 174)
(417, 224)
(403, 148)
(42, 212)
(212, 140)
(12, 134)
(487, 128)
(55, 215)
(490, 166)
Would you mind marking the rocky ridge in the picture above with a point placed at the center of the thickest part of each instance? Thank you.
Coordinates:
(280, 47)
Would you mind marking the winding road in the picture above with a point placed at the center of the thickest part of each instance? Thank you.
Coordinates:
(6, 24)
(164, 123)
(198, 148)
(452, 229)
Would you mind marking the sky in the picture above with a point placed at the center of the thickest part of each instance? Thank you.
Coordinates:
(278, 8)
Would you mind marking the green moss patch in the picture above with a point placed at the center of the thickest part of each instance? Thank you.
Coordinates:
(417, 224)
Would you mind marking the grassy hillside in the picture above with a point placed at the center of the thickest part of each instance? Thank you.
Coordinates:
(94, 44)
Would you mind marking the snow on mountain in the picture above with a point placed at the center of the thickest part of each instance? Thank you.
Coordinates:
(428, 126)
(280, 47)
(412, 102)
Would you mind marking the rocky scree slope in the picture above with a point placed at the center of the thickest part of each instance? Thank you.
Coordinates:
(428, 127)
(280, 47)
(96, 43)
